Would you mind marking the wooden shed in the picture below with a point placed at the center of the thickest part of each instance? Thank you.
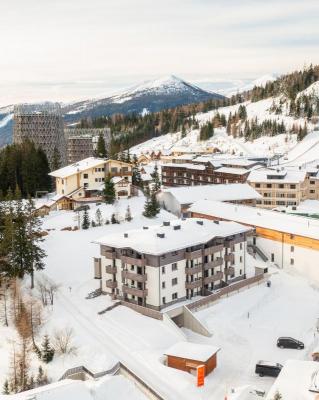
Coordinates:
(188, 356)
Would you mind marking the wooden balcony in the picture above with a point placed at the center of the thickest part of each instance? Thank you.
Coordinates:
(213, 264)
(108, 254)
(213, 278)
(194, 270)
(140, 262)
(194, 284)
(191, 255)
(230, 271)
(134, 291)
(110, 270)
(111, 284)
(134, 276)
(213, 249)
(230, 257)
(230, 243)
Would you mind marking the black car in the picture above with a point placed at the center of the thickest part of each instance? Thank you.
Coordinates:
(289, 343)
(266, 368)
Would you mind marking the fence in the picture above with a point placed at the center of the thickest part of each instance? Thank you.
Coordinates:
(225, 291)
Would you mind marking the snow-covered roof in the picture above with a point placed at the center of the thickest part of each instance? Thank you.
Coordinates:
(243, 162)
(192, 351)
(254, 216)
(277, 175)
(235, 171)
(295, 380)
(227, 192)
(186, 165)
(191, 233)
(90, 162)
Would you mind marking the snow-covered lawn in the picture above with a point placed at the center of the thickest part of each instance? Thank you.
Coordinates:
(247, 325)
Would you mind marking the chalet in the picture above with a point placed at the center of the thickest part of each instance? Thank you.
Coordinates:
(84, 180)
(187, 356)
(160, 265)
(177, 200)
(288, 241)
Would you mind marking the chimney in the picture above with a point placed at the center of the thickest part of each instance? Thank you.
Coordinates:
(161, 235)
(145, 227)
(176, 227)
(200, 222)
(216, 222)
(166, 223)
(126, 235)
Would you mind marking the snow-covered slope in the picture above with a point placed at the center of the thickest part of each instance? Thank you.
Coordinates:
(312, 90)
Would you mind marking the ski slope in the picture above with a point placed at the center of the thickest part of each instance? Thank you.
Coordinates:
(306, 151)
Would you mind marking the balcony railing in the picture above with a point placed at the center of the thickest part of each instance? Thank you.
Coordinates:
(110, 270)
(213, 264)
(111, 284)
(140, 262)
(213, 278)
(194, 270)
(191, 255)
(194, 284)
(134, 291)
(108, 254)
(134, 276)
(230, 257)
(230, 243)
(230, 271)
(213, 249)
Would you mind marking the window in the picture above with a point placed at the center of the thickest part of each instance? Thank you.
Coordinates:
(241, 246)
(163, 270)
(312, 182)
(163, 285)
(312, 191)
(292, 186)
(292, 248)
(86, 185)
(174, 267)
(268, 185)
(163, 300)
(62, 181)
(257, 185)
(85, 176)
(272, 257)
(292, 261)
(240, 272)
(174, 281)
(241, 259)
(114, 170)
(174, 296)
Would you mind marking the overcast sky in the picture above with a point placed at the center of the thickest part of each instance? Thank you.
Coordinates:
(71, 49)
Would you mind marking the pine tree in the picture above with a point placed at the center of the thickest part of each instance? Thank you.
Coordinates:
(101, 149)
(128, 215)
(98, 217)
(47, 352)
(113, 219)
(56, 159)
(85, 220)
(136, 175)
(151, 207)
(42, 378)
(156, 179)
(6, 387)
(109, 190)
(277, 396)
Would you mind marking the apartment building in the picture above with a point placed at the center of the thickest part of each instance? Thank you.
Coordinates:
(160, 265)
(288, 241)
(43, 125)
(279, 186)
(312, 179)
(82, 142)
(85, 179)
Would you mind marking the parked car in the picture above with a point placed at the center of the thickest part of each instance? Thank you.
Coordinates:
(289, 343)
(266, 368)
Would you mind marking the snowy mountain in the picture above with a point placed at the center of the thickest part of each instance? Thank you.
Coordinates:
(151, 96)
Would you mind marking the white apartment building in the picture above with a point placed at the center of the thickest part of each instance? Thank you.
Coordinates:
(160, 265)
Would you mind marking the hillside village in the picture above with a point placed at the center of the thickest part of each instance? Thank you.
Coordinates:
(171, 268)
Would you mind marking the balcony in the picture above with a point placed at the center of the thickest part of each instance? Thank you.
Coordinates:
(213, 278)
(134, 276)
(213, 249)
(194, 284)
(230, 271)
(230, 243)
(194, 270)
(111, 284)
(140, 262)
(108, 254)
(110, 270)
(191, 255)
(213, 264)
(230, 257)
(134, 291)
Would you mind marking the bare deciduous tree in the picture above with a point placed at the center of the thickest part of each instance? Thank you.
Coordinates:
(63, 341)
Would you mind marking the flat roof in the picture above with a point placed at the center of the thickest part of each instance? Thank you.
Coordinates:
(283, 175)
(192, 232)
(234, 171)
(221, 192)
(192, 351)
(185, 165)
(295, 380)
(254, 216)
